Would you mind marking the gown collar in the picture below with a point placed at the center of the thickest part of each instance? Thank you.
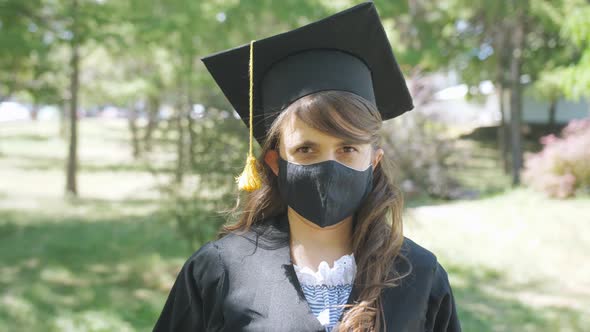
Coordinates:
(275, 236)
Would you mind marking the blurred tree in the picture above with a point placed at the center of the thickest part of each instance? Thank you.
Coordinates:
(26, 64)
(203, 123)
(143, 56)
(78, 21)
(571, 79)
(508, 42)
(549, 88)
(75, 41)
(34, 37)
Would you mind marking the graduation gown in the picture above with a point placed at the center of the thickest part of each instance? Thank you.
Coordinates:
(246, 282)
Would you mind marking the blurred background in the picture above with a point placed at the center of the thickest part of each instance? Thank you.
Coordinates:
(117, 152)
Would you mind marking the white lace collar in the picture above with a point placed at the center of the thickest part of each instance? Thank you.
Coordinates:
(342, 272)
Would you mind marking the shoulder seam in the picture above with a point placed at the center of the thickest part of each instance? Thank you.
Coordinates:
(219, 259)
(414, 249)
(221, 283)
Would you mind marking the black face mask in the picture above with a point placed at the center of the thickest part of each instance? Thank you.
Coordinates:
(326, 192)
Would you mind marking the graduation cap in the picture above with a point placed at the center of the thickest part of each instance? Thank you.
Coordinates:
(347, 51)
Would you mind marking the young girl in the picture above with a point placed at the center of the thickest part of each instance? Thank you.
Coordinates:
(319, 243)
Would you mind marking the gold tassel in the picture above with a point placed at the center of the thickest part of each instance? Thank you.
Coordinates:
(250, 180)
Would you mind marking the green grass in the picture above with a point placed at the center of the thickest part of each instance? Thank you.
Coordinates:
(60, 268)
(517, 261)
(103, 262)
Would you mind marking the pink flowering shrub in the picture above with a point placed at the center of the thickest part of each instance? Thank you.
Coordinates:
(563, 165)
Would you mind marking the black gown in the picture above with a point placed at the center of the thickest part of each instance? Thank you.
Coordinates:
(246, 282)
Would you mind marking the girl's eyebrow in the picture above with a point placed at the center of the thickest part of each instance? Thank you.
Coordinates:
(314, 144)
(307, 143)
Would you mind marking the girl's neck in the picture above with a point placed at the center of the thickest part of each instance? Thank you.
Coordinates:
(311, 244)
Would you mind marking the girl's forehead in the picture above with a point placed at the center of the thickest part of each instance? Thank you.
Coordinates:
(295, 131)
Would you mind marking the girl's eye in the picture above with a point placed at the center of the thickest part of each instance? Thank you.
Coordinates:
(307, 149)
(303, 149)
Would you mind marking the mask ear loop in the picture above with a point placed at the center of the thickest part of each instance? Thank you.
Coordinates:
(250, 180)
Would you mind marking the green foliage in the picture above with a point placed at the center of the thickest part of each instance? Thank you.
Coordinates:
(572, 79)
(422, 150)
(136, 51)
(577, 27)
(196, 205)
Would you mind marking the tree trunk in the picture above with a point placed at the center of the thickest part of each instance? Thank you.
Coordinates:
(501, 60)
(503, 133)
(132, 121)
(552, 111)
(180, 144)
(34, 110)
(192, 139)
(72, 163)
(63, 119)
(518, 36)
(153, 109)
(506, 130)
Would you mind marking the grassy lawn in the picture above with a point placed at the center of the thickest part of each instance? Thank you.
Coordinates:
(517, 261)
(105, 262)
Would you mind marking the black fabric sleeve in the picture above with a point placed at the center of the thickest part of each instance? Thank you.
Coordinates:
(195, 298)
(441, 315)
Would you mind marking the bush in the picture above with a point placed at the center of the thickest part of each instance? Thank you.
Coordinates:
(195, 203)
(422, 151)
(562, 167)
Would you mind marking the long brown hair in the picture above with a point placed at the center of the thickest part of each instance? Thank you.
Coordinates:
(377, 233)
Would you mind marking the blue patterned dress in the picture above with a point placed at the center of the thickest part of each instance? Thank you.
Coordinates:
(327, 288)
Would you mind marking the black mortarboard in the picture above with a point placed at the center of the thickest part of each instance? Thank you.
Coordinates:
(347, 51)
